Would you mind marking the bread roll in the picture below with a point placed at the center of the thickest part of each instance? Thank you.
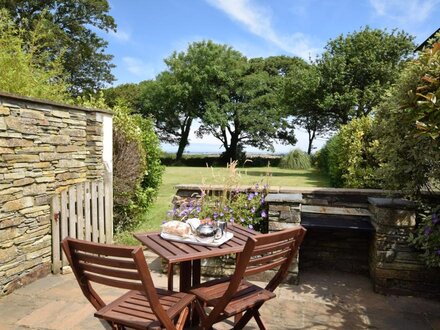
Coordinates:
(177, 228)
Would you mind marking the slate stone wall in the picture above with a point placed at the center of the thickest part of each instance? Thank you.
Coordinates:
(44, 148)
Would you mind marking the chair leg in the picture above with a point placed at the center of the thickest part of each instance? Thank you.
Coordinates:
(170, 272)
(253, 312)
(259, 321)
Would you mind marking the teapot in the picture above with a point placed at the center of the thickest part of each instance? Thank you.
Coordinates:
(207, 233)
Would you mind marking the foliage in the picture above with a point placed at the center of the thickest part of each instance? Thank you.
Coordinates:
(231, 204)
(245, 109)
(137, 171)
(296, 159)
(358, 67)
(409, 150)
(351, 160)
(130, 94)
(328, 161)
(20, 65)
(408, 127)
(74, 41)
(303, 99)
(427, 236)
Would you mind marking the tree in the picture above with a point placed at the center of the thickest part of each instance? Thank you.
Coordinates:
(20, 69)
(130, 94)
(303, 99)
(180, 94)
(357, 68)
(245, 110)
(72, 22)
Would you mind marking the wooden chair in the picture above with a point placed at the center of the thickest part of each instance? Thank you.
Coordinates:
(232, 296)
(143, 306)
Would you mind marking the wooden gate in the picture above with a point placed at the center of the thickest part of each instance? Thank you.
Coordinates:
(83, 211)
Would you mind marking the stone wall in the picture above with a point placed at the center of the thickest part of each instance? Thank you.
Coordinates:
(395, 266)
(383, 253)
(44, 148)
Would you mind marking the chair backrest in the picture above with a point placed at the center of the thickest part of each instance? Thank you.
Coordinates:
(263, 252)
(274, 250)
(111, 265)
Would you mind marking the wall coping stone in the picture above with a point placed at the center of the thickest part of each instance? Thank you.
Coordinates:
(51, 103)
(287, 198)
(392, 203)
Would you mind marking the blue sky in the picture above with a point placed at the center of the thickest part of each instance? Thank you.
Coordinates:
(150, 30)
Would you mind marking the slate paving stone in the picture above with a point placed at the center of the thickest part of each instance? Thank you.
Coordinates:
(323, 300)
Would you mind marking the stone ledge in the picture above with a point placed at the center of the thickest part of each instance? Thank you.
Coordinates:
(392, 203)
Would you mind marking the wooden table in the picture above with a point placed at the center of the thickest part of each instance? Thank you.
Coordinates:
(190, 255)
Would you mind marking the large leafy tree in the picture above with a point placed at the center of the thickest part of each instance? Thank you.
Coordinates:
(180, 94)
(72, 23)
(303, 100)
(245, 109)
(358, 67)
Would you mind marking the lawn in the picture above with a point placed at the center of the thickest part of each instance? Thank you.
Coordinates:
(204, 175)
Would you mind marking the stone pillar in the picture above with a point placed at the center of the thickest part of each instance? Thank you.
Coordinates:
(395, 266)
(284, 211)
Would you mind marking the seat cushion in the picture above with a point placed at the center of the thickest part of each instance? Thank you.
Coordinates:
(134, 310)
(247, 295)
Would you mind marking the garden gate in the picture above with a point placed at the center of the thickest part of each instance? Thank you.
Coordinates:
(83, 211)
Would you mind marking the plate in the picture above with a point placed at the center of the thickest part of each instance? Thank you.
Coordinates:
(193, 239)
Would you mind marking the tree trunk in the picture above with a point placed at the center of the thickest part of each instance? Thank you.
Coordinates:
(312, 134)
(184, 139)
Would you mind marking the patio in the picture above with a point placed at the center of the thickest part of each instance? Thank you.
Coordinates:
(323, 300)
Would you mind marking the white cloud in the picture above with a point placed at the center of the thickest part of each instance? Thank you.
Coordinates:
(404, 11)
(120, 35)
(139, 68)
(258, 21)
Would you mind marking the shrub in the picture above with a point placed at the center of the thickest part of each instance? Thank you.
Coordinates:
(137, 172)
(349, 157)
(296, 159)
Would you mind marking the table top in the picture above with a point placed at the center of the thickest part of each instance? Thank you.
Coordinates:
(175, 252)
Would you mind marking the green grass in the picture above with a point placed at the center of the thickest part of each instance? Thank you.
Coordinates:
(203, 175)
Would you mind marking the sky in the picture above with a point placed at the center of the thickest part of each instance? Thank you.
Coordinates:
(151, 30)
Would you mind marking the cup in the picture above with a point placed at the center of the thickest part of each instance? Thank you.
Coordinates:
(221, 225)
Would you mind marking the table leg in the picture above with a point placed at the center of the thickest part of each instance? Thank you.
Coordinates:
(185, 276)
(196, 270)
(170, 274)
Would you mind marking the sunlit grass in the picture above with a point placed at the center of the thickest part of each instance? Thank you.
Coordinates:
(203, 175)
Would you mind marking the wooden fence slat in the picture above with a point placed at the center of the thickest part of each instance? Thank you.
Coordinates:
(72, 211)
(95, 231)
(101, 223)
(108, 195)
(83, 211)
(64, 223)
(80, 210)
(56, 260)
(87, 223)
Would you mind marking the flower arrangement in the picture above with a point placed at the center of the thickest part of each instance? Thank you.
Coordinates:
(231, 204)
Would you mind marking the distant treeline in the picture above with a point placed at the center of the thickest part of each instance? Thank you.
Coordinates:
(198, 160)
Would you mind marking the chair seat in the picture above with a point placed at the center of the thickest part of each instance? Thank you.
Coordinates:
(133, 308)
(247, 295)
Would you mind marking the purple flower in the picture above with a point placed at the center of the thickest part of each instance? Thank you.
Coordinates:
(250, 196)
(221, 214)
(256, 193)
(164, 222)
(262, 200)
(251, 227)
(435, 218)
(438, 252)
(215, 215)
(170, 213)
(263, 214)
(225, 208)
(253, 209)
(231, 220)
(427, 231)
(256, 186)
(241, 219)
(198, 209)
